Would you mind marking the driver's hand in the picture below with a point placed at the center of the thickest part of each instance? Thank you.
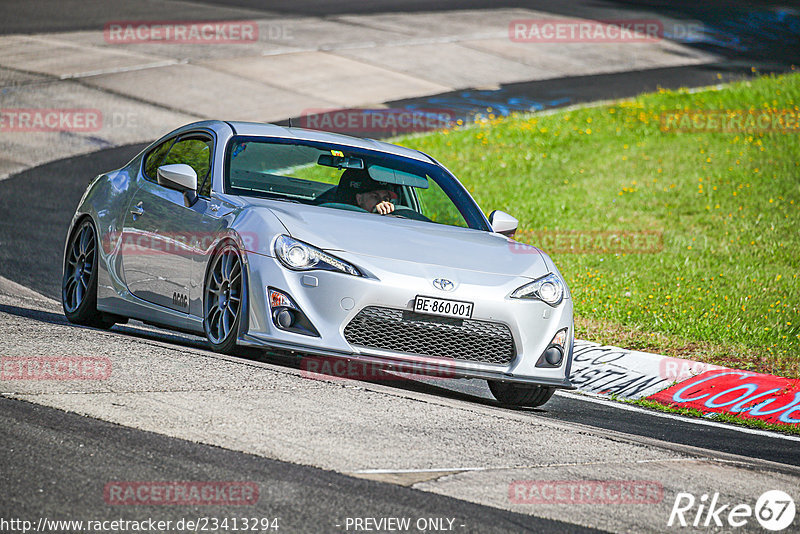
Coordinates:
(384, 208)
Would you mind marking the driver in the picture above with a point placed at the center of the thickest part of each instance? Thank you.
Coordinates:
(359, 189)
(377, 201)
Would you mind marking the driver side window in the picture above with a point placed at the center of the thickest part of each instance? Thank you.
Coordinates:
(193, 151)
(196, 153)
(154, 159)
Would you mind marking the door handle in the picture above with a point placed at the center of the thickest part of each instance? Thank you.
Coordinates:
(137, 210)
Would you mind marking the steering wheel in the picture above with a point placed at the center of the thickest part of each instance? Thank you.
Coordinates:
(342, 206)
(403, 212)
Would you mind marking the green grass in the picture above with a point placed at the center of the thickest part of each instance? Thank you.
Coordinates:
(725, 286)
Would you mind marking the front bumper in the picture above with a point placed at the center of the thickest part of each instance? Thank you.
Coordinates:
(330, 300)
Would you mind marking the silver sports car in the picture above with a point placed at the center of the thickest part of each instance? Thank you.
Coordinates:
(324, 245)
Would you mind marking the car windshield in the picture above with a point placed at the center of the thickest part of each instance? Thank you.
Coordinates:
(347, 178)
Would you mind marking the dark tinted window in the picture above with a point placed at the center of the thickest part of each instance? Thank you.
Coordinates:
(313, 173)
(204, 186)
(154, 159)
(193, 152)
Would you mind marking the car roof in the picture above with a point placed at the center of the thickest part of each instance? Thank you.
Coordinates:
(258, 129)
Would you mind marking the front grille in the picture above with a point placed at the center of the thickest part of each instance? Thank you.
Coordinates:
(427, 335)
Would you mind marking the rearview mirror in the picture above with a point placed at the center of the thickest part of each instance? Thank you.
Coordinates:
(340, 162)
(503, 223)
(180, 177)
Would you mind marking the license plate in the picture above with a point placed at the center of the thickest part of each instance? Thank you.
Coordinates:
(443, 307)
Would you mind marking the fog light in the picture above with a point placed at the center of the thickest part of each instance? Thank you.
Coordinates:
(284, 318)
(287, 315)
(553, 355)
(282, 307)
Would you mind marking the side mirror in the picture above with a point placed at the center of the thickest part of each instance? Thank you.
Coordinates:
(180, 177)
(503, 223)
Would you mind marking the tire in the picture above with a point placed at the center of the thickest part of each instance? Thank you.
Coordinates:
(79, 283)
(526, 395)
(223, 299)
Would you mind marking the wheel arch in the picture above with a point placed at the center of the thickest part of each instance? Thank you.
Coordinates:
(85, 311)
(237, 243)
(77, 221)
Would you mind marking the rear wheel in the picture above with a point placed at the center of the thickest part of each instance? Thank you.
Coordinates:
(79, 284)
(223, 294)
(520, 394)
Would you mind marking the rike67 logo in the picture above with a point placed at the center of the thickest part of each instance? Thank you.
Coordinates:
(774, 510)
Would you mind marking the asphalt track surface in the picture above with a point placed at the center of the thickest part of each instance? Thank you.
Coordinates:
(54, 460)
(30, 254)
(39, 441)
(757, 38)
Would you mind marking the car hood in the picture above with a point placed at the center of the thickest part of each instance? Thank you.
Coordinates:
(407, 240)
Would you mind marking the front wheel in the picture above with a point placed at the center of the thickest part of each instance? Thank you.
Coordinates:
(79, 284)
(520, 394)
(223, 295)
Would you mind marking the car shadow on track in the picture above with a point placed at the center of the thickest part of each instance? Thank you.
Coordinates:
(467, 390)
(37, 315)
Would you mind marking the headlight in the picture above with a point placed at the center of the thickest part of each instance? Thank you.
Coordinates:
(549, 289)
(301, 256)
